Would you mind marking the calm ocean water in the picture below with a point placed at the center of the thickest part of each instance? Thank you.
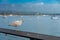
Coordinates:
(36, 24)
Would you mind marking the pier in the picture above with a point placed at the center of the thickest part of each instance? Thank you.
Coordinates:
(30, 35)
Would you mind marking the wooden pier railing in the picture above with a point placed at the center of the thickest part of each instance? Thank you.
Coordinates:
(32, 36)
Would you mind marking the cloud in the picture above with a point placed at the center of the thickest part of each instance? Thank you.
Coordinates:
(41, 3)
(42, 7)
(34, 7)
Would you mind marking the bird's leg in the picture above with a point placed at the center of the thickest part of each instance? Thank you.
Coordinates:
(17, 29)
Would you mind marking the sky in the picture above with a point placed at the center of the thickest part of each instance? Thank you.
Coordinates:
(43, 6)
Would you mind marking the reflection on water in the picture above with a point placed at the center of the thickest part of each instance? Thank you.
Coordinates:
(38, 24)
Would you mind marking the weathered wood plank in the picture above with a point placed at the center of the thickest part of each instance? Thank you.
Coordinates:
(28, 34)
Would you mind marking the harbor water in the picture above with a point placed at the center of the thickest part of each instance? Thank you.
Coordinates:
(38, 24)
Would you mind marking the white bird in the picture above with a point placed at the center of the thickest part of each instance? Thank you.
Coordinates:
(16, 23)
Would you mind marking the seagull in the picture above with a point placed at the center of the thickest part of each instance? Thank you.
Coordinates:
(16, 23)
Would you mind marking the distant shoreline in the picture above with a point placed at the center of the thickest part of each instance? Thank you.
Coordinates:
(29, 14)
